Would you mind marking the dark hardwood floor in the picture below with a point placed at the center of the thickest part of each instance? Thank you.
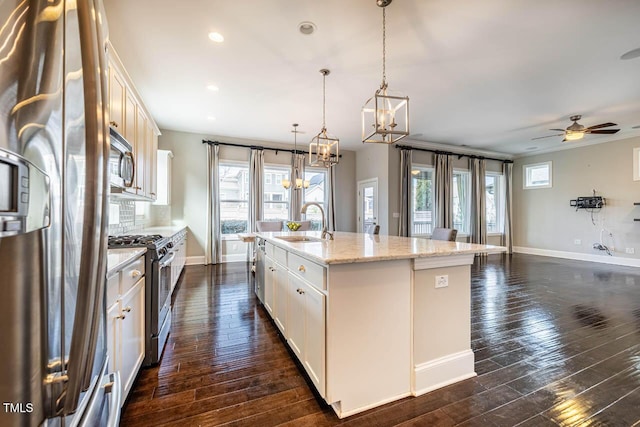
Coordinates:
(556, 342)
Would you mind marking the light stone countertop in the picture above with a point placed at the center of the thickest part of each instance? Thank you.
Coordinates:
(117, 259)
(358, 247)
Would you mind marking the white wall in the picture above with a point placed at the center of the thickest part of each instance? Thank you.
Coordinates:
(189, 185)
(543, 218)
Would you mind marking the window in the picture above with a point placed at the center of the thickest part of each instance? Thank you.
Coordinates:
(317, 192)
(234, 198)
(460, 194)
(493, 203)
(537, 175)
(421, 200)
(276, 197)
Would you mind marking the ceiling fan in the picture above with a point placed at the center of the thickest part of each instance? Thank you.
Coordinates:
(576, 131)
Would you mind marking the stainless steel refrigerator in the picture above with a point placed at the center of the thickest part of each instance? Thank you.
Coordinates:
(54, 148)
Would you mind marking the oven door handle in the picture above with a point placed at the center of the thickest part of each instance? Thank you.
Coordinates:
(163, 264)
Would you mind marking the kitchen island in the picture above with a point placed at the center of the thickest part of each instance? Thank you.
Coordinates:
(371, 318)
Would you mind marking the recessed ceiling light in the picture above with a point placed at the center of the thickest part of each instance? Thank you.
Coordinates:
(532, 148)
(216, 37)
(631, 54)
(213, 88)
(211, 118)
(306, 27)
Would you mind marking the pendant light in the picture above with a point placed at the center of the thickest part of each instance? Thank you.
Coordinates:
(324, 147)
(385, 116)
(297, 177)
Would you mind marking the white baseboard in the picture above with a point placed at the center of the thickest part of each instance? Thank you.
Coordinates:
(234, 258)
(194, 260)
(437, 373)
(337, 406)
(605, 259)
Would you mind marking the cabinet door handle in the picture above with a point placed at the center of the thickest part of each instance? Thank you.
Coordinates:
(301, 268)
(121, 317)
(138, 188)
(153, 194)
(127, 309)
(114, 124)
(136, 273)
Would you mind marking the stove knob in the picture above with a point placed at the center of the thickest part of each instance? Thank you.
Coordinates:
(170, 245)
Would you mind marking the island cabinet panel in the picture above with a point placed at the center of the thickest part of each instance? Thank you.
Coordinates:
(368, 334)
(441, 359)
(306, 331)
(280, 279)
(269, 284)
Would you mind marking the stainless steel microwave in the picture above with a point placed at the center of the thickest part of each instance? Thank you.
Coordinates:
(121, 162)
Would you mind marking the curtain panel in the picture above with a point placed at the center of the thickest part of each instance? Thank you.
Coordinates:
(296, 195)
(213, 241)
(507, 171)
(478, 223)
(443, 191)
(256, 187)
(405, 191)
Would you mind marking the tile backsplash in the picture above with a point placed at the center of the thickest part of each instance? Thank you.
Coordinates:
(123, 218)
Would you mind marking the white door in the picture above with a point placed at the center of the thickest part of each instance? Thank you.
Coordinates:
(367, 204)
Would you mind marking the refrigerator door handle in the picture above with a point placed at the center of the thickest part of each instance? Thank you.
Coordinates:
(114, 388)
(93, 263)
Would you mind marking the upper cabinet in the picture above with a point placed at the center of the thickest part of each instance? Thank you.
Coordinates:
(131, 119)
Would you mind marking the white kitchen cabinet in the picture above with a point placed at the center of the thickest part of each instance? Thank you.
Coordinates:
(132, 335)
(280, 280)
(269, 284)
(130, 118)
(126, 322)
(177, 265)
(306, 333)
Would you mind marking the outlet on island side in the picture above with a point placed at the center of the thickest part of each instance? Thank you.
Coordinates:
(442, 281)
(577, 242)
(630, 251)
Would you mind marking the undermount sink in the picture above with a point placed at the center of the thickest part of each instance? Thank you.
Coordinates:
(299, 239)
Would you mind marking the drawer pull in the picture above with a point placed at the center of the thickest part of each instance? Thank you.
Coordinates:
(301, 268)
(121, 317)
(127, 309)
(114, 124)
(136, 273)
(300, 291)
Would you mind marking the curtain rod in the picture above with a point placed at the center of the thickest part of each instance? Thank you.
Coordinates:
(257, 147)
(449, 153)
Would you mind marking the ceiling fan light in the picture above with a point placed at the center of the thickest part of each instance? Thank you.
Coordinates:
(573, 136)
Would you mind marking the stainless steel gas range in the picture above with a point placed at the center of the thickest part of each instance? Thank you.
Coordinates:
(161, 277)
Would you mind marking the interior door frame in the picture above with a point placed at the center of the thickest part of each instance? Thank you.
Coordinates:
(359, 213)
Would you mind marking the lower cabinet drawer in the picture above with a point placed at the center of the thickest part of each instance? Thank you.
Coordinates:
(113, 289)
(131, 274)
(313, 273)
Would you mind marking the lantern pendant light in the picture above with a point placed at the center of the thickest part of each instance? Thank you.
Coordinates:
(324, 147)
(297, 178)
(385, 116)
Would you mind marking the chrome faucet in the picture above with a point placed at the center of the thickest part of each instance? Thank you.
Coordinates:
(325, 233)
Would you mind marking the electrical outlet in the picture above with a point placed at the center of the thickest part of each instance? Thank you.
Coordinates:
(630, 250)
(577, 242)
(396, 215)
(442, 281)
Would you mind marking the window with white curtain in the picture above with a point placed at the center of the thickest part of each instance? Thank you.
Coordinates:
(276, 197)
(494, 200)
(317, 192)
(422, 200)
(461, 200)
(234, 197)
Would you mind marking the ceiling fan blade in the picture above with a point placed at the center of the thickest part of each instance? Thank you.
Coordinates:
(558, 130)
(548, 136)
(602, 125)
(604, 131)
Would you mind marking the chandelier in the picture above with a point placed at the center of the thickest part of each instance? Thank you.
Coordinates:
(296, 178)
(323, 149)
(385, 116)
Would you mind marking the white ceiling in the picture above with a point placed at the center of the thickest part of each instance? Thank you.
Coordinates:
(488, 74)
